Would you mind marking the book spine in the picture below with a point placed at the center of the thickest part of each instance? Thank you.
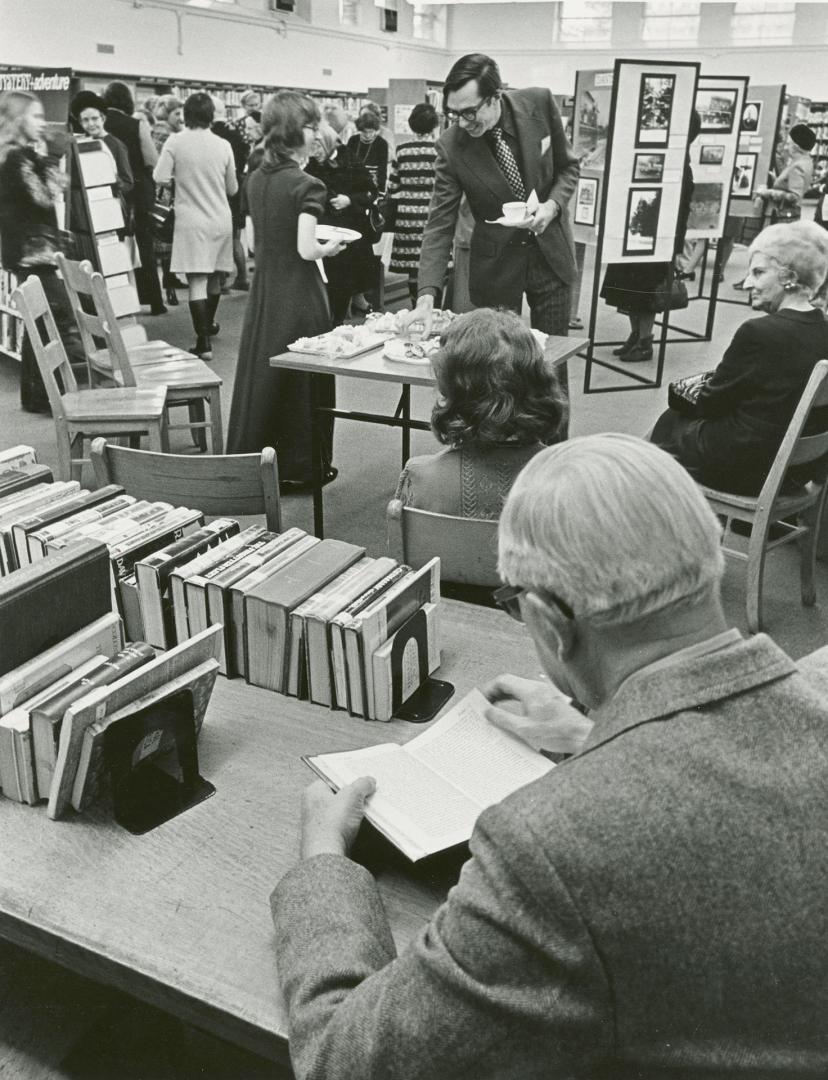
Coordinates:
(340, 672)
(39, 539)
(130, 608)
(125, 557)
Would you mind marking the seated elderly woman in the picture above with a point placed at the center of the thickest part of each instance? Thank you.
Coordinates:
(743, 410)
(499, 405)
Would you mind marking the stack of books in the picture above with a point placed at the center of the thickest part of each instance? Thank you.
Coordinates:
(68, 679)
(314, 619)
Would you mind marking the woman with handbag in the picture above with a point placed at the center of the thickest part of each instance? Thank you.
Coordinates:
(351, 194)
(726, 428)
(411, 187)
(30, 185)
(641, 290)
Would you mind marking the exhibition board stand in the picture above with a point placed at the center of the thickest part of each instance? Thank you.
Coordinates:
(721, 106)
(759, 134)
(632, 167)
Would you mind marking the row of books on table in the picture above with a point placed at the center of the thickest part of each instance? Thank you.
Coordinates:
(101, 578)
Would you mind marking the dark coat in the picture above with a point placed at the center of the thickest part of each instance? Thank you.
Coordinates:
(744, 410)
(466, 166)
(352, 269)
(28, 188)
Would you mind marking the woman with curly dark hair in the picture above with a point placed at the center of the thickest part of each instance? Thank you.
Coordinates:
(499, 405)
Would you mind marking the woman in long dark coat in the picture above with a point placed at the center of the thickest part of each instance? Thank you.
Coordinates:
(351, 192)
(271, 406)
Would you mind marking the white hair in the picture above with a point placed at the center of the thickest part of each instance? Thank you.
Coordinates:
(613, 526)
(801, 247)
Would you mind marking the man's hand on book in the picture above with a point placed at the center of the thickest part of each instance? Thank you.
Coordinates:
(331, 820)
(536, 712)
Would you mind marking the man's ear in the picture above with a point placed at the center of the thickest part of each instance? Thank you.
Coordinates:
(560, 631)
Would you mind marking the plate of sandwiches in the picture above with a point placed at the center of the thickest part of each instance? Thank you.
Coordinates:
(390, 322)
(336, 232)
(339, 344)
(402, 351)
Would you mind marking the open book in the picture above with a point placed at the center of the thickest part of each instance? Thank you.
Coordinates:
(431, 790)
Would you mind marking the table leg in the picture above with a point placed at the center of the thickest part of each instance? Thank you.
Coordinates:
(316, 460)
(405, 412)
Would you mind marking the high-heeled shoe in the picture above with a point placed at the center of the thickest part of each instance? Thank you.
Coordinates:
(628, 345)
(642, 350)
(172, 297)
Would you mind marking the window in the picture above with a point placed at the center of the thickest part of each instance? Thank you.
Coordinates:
(349, 12)
(387, 15)
(424, 19)
(585, 21)
(671, 20)
(771, 20)
(283, 5)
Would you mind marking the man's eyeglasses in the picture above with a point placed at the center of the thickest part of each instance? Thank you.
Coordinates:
(469, 115)
(508, 598)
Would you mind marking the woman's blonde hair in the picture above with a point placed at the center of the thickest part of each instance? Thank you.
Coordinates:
(14, 104)
(801, 247)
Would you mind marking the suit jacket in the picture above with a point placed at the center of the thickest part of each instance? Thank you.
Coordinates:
(466, 166)
(655, 907)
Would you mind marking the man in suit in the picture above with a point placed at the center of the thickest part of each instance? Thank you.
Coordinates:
(654, 906)
(500, 147)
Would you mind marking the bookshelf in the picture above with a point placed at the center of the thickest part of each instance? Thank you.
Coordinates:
(818, 120)
(11, 322)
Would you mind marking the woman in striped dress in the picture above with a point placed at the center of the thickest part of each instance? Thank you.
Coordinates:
(411, 184)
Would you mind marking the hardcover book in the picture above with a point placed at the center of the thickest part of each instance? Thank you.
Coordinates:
(46, 718)
(39, 540)
(41, 605)
(431, 791)
(210, 558)
(22, 477)
(153, 574)
(31, 499)
(103, 637)
(46, 516)
(267, 607)
(17, 767)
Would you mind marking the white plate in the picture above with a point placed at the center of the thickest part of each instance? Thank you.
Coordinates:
(509, 224)
(366, 344)
(400, 352)
(336, 232)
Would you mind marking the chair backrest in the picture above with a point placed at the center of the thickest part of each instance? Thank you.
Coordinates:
(31, 302)
(217, 484)
(798, 448)
(94, 315)
(467, 546)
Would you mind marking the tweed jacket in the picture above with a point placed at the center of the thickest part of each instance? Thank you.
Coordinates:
(466, 166)
(656, 906)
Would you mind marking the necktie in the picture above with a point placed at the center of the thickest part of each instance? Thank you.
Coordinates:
(508, 166)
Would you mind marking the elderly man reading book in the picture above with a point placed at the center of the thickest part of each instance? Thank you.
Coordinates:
(654, 905)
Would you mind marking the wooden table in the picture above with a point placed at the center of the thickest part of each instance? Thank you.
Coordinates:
(373, 365)
(180, 917)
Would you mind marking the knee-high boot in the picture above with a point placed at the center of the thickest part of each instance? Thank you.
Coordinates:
(212, 307)
(200, 314)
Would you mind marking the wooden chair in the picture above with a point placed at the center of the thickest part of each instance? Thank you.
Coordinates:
(774, 506)
(467, 546)
(240, 484)
(80, 414)
(138, 362)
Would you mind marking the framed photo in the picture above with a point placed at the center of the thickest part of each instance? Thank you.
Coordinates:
(643, 209)
(655, 108)
(751, 116)
(586, 200)
(590, 117)
(711, 154)
(717, 109)
(705, 206)
(648, 168)
(744, 176)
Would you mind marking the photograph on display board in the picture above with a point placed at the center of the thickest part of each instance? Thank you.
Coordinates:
(593, 97)
(751, 116)
(643, 207)
(705, 206)
(744, 176)
(648, 168)
(655, 107)
(717, 109)
(586, 200)
(711, 154)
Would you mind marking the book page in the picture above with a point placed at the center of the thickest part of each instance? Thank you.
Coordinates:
(483, 762)
(418, 810)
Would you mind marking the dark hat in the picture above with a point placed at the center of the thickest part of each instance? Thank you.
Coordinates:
(87, 99)
(803, 136)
